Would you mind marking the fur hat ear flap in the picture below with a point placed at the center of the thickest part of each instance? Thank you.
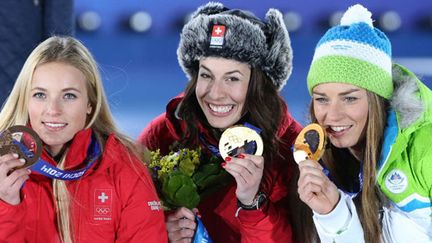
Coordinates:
(210, 8)
(278, 63)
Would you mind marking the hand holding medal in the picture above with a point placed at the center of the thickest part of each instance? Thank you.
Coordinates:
(15, 158)
(314, 187)
(242, 147)
(23, 141)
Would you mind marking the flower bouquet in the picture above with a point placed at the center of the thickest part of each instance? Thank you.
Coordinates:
(184, 177)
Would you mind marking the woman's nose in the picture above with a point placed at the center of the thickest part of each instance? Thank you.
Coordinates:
(53, 107)
(335, 112)
(216, 89)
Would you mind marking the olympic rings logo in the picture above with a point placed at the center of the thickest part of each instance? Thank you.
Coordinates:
(103, 210)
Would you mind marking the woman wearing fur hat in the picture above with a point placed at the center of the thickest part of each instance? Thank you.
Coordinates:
(374, 181)
(236, 64)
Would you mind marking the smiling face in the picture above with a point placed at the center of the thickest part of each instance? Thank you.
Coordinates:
(58, 104)
(221, 90)
(342, 109)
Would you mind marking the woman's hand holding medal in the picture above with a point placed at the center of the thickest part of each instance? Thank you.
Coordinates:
(14, 162)
(11, 179)
(242, 147)
(314, 187)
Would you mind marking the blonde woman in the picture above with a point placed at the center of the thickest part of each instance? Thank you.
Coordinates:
(59, 94)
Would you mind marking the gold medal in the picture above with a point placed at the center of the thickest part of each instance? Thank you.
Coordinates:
(23, 141)
(240, 139)
(310, 143)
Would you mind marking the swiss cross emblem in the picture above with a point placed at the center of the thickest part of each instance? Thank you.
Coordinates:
(102, 204)
(217, 36)
(218, 31)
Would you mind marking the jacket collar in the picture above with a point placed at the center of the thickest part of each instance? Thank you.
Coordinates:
(77, 151)
(405, 100)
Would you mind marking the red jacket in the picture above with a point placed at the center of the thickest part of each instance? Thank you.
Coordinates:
(114, 201)
(218, 210)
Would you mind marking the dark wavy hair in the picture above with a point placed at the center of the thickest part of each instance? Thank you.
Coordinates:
(263, 108)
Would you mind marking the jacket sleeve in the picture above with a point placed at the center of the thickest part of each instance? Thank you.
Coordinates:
(340, 225)
(11, 218)
(142, 217)
(271, 224)
(266, 225)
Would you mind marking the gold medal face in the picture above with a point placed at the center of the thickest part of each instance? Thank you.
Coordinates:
(240, 139)
(310, 143)
(14, 137)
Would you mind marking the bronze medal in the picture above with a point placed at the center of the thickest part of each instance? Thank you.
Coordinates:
(15, 138)
(310, 143)
(240, 139)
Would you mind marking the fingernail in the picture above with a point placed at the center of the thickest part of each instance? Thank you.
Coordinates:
(22, 160)
(15, 155)
(241, 156)
(228, 159)
(28, 171)
(223, 164)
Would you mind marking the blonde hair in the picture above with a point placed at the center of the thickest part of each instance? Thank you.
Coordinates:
(69, 51)
(369, 203)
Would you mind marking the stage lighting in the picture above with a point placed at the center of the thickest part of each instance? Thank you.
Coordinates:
(293, 21)
(140, 21)
(335, 18)
(89, 21)
(390, 21)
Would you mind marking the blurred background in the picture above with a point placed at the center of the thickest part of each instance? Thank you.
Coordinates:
(135, 42)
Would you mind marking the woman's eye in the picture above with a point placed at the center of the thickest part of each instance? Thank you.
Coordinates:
(233, 79)
(350, 99)
(39, 95)
(70, 96)
(204, 75)
(321, 100)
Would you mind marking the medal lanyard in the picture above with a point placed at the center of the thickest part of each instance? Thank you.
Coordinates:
(215, 150)
(360, 178)
(44, 168)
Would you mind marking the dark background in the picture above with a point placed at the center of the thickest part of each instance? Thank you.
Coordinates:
(140, 69)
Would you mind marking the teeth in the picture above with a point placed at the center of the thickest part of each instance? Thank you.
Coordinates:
(55, 124)
(338, 129)
(220, 108)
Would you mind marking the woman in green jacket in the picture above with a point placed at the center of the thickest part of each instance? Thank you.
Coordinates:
(375, 179)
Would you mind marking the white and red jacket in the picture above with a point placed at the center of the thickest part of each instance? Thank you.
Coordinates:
(114, 201)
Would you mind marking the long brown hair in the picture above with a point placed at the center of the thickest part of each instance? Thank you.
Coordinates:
(369, 203)
(263, 108)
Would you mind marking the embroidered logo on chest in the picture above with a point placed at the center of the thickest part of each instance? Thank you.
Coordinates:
(396, 181)
(102, 205)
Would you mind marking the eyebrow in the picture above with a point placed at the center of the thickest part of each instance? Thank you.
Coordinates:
(340, 94)
(227, 73)
(63, 90)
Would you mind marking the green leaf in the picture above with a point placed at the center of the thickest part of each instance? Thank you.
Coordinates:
(180, 190)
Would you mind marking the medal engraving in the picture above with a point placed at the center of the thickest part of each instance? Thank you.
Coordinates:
(240, 139)
(23, 141)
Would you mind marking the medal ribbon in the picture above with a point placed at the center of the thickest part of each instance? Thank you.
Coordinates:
(360, 178)
(44, 168)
